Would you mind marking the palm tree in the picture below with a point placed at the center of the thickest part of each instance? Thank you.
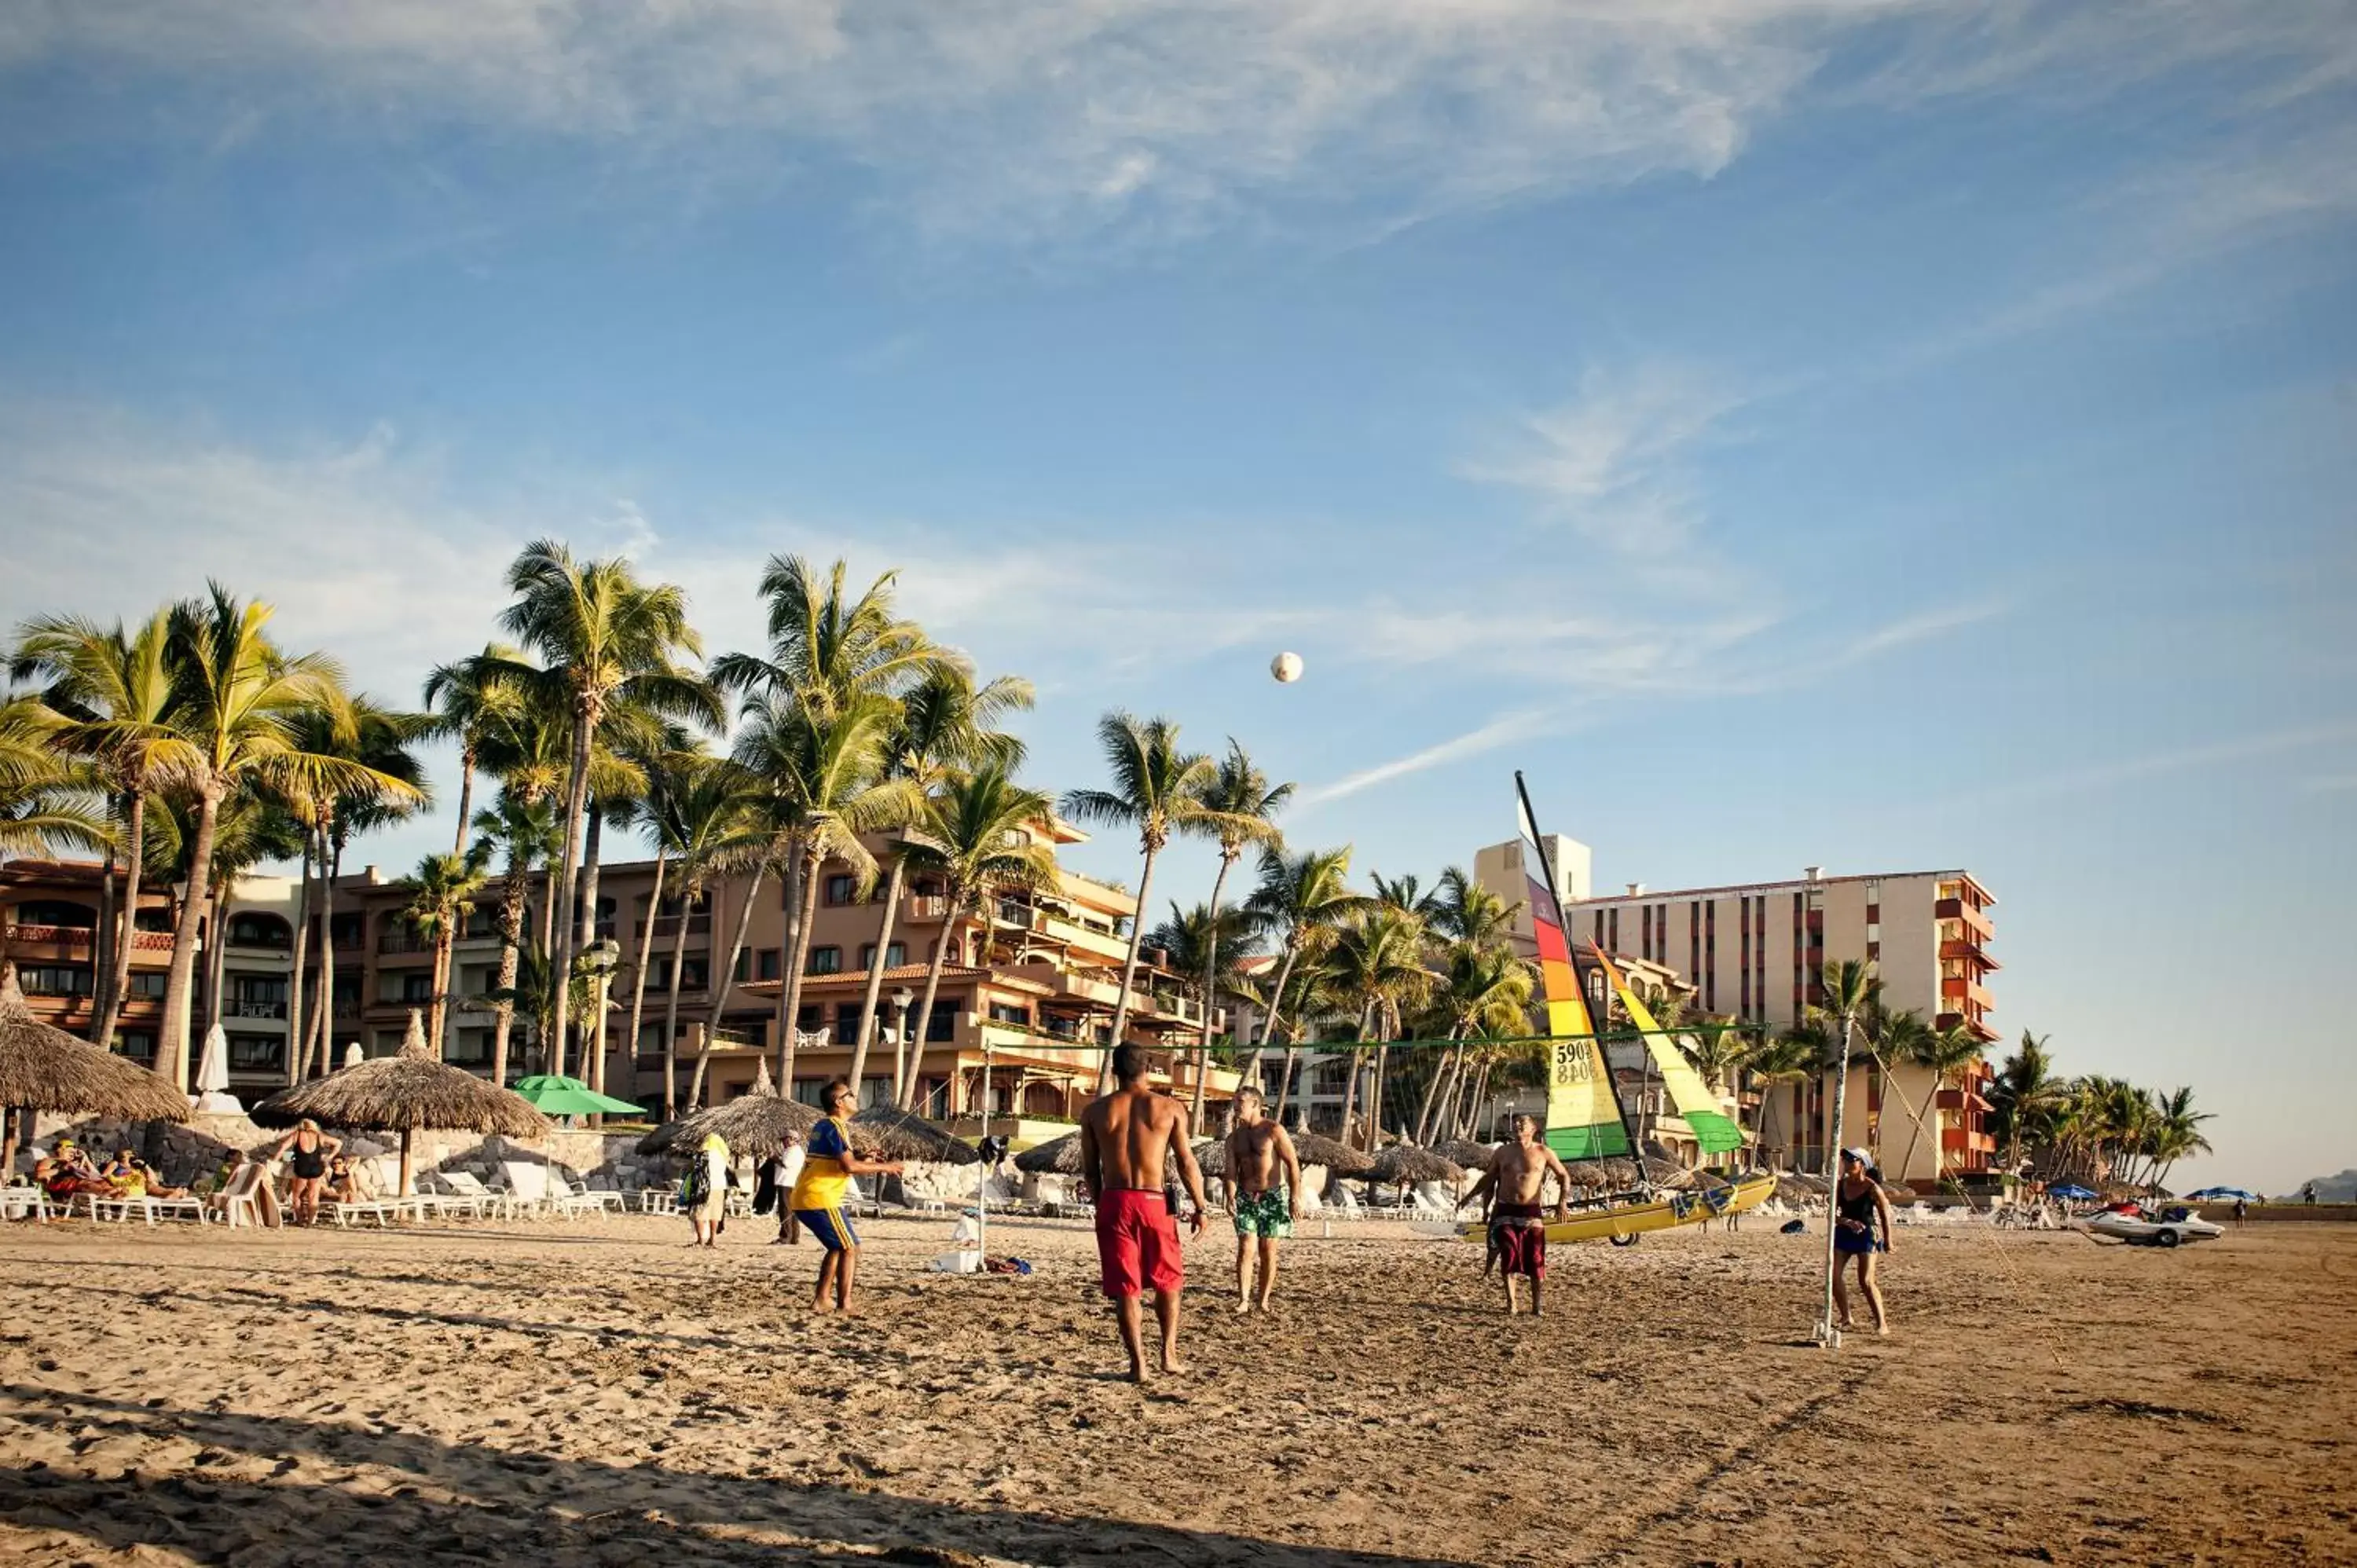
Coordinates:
(1377, 964)
(1483, 989)
(474, 704)
(602, 637)
(49, 802)
(1944, 1053)
(1246, 805)
(2177, 1132)
(113, 688)
(1796, 1055)
(706, 819)
(2025, 1091)
(975, 834)
(945, 722)
(1849, 989)
(821, 768)
(1207, 949)
(1463, 911)
(827, 648)
(446, 886)
(524, 826)
(235, 704)
(1303, 897)
(1157, 791)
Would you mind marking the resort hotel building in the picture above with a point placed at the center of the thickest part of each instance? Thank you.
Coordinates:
(1754, 952)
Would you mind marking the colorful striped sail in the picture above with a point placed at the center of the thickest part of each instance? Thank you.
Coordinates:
(1699, 1108)
(1583, 1113)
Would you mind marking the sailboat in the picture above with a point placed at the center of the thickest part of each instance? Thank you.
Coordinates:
(1585, 1117)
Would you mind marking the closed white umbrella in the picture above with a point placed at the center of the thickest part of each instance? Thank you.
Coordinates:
(353, 1055)
(213, 1097)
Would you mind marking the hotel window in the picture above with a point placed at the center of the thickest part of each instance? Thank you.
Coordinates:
(841, 889)
(846, 1023)
(257, 1053)
(943, 1027)
(1007, 1013)
(139, 1047)
(894, 956)
(826, 960)
(150, 983)
(1614, 945)
(54, 980)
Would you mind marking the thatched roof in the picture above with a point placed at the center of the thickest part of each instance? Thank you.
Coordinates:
(1618, 1173)
(405, 1093)
(905, 1135)
(1211, 1156)
(1317, 1149)
(754, 1124)
(1058, 1157)
(1464, 1152)
(42, 1067)
(1405, 1163)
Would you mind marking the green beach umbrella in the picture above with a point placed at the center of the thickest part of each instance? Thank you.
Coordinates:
(553, 1094)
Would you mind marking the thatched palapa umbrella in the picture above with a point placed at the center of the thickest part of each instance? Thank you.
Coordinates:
(1404, 1165)
(1058, 1157)
(42, 1067)
(754, 1124)
(1317, 1149)
(1211, 1156)
(1466, 1153)
(404, 1094)
(905, 1135)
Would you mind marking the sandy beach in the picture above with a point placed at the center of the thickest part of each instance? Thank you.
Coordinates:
(596, 1393)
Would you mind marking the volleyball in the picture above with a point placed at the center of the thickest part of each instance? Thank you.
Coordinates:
(1285, 667)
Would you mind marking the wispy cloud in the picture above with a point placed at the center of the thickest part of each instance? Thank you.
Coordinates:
(1501, 730)
(2102, 775)
(1024, 118)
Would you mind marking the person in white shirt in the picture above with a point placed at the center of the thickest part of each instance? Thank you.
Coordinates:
(790, 1167)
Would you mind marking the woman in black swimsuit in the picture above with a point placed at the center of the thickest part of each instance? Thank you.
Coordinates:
(308, 1151)
(1859, 1206)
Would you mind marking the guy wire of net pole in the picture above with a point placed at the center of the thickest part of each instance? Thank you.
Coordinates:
(1833, 1194)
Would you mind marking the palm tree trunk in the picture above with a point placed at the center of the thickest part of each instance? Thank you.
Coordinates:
(790, 994)
(443, 938)
(127, 935)
(911, 1055)
(1472, 1113)
(1211, 969)
(294, 1019)
(101, 958)
(217, 954)
(702, 1061)
(1432, 1090)
(876, 974)
(179, 986)
(671, 1010)
(638, 990)
(466, 797)
(331, 865)
(1350, 1080)
(510, 938)
(1128, 969)
(577, 800)
(726, 980)
(589, 1038)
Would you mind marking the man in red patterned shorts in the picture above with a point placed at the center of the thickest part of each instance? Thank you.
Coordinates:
(1516, 1179)
(1125, 1138)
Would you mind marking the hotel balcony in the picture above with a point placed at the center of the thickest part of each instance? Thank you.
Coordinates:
(1955, 990)
(1974, 920)
(1970, 951)
(1981, 1031)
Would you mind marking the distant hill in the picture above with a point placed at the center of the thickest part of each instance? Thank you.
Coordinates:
(2341, 1188)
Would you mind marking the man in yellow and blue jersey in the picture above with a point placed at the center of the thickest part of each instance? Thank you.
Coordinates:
(828, 1165)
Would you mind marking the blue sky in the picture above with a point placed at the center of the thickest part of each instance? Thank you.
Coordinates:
(1878, 435)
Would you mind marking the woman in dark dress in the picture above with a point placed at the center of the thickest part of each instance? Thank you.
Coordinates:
(1860, 1206)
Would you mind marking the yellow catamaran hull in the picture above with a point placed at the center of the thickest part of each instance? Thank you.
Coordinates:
(1666, 1212)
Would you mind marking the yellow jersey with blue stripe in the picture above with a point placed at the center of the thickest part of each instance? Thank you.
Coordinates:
(824, 1176)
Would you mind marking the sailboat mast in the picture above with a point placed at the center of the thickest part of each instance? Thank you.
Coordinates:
(1546, 871)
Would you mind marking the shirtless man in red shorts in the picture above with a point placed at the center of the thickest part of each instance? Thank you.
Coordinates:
(1516, 1177)
(1124, 1139)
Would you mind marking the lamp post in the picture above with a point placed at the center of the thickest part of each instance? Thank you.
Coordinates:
(598, 960)
(903, 1068)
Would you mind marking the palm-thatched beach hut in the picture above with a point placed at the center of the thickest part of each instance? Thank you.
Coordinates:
(1338, 1160)
(1057, 1156)
(407, 1093)
(1464, 1153)
(905, 1135)
(754, 1124)
(42, 1067)
(1404, 1165)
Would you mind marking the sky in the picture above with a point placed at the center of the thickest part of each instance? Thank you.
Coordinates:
(1884, 435)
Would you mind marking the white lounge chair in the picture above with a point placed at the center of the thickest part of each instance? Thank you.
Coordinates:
(581, 1197)
(23, 1203)
(383, 1210)
(526, 1185)
(248, 1199)
(466, 1195)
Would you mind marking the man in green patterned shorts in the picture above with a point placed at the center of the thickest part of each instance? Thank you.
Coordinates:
(1263, 1192)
